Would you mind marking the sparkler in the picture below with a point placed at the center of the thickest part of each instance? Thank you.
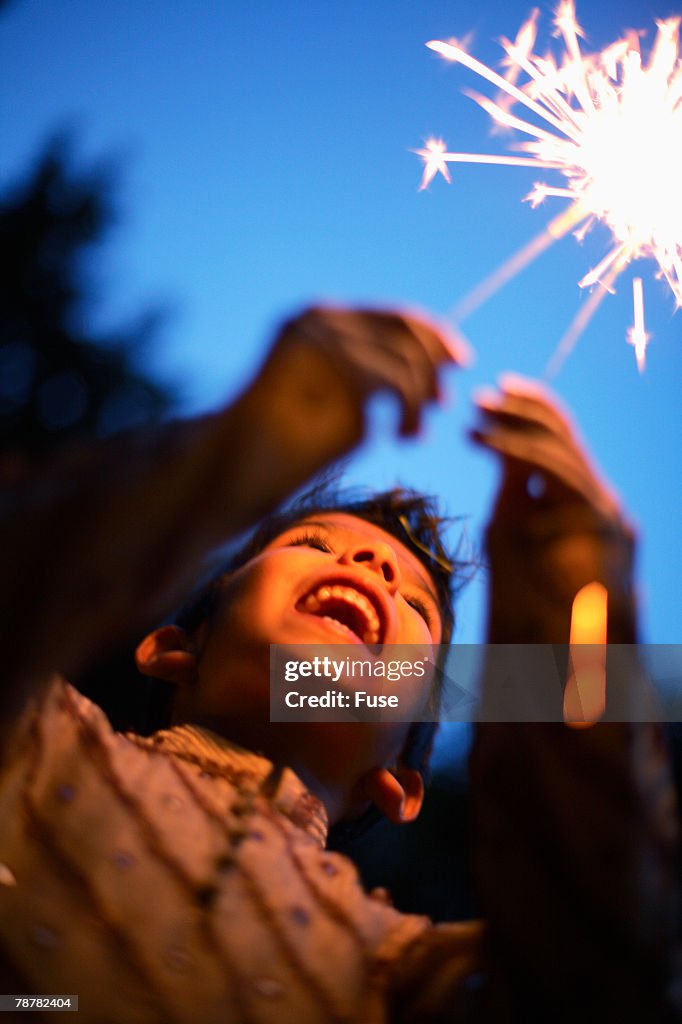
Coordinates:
(611, 124)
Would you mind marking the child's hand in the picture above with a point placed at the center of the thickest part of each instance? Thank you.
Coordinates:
(334, 356)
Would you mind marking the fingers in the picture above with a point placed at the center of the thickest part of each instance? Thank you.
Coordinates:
(436, 343)
(377, 350)
(440, 344)
(411, 355)
(522, 411)
(525, 405)
(524, 423)
(443, 343)
(541, 456)
(417, 350)
(411, 352)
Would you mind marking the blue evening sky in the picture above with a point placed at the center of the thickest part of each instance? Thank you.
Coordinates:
(265, 151)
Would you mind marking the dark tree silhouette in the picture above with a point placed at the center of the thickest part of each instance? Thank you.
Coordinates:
(57, 381)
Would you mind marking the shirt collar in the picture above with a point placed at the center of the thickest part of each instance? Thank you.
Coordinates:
(249, 771)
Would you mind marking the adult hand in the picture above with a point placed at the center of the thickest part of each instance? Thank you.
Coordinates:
(556, 524)
(332, 360)
(544, 461)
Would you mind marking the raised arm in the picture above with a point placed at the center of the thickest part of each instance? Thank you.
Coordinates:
(575, 829)
(107, 536)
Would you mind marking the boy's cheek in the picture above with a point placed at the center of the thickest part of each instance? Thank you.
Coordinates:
(252, 606)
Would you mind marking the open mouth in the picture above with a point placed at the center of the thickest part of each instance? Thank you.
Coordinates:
(346, 609)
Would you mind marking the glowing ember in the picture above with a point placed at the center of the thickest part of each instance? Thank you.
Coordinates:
(585, 692)
(613, 128)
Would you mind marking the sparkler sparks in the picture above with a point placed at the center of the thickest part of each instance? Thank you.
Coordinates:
(611, 124)
(637, 335)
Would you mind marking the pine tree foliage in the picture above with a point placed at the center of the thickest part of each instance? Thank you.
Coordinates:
(58, 382)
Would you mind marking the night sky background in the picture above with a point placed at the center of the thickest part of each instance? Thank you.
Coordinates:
(263, 161)
(259, 156)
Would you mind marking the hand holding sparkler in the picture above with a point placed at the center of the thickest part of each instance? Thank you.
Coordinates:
(137, 515)
(327, 362)
(556, 525)
(544, 459)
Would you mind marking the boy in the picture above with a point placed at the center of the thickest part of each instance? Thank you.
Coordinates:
(327, 571)
(183, 878)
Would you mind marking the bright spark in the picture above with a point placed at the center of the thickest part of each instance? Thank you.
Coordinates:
(637, 335)
(434, 157)
(611, 124)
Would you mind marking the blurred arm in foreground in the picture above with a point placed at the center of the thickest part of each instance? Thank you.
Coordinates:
(575, 828)
(103, 540)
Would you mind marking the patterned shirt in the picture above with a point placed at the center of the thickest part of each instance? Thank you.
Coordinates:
(179, 878)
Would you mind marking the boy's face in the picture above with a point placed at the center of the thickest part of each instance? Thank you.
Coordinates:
(331, 579)
(391, 591)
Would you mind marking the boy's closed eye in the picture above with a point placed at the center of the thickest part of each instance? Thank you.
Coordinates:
(311, 539)
(420, 607)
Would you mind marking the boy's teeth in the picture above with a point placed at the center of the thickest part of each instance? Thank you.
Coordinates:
(314, 602)
(339, 625)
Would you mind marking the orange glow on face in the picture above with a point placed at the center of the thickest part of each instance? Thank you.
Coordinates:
(585, 693)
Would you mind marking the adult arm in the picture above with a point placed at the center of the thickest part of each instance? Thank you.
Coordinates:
(106, 537)
(575, 830)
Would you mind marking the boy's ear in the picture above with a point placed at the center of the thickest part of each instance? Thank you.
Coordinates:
(398, 793)
(167, 653)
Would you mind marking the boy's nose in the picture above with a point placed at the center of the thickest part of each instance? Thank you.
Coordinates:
(378, 557)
